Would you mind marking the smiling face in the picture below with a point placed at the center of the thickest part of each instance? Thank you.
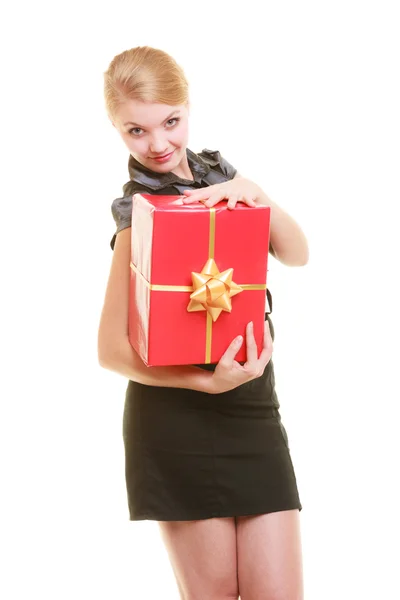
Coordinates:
(155, 134)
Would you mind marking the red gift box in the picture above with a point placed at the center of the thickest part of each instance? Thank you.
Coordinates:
(198, 276)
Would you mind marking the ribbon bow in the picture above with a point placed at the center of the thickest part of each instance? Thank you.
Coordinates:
(213, 290)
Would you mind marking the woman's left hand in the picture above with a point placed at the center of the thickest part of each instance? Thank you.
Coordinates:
(235, 190)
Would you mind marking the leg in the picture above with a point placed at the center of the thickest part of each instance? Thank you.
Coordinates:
(270, 556)
(203, 557)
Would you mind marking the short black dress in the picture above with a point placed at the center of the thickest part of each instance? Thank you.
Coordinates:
(192, 455)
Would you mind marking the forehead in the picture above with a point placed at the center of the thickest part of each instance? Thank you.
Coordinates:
(146, 114)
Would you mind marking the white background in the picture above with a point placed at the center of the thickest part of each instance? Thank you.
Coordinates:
(302, 98)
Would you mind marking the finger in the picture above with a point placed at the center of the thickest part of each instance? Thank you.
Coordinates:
(195, 199)
(191, 191)
(251, 345)
(267, 350)
(202, 194)
(190, 200)
(233, 199)
(248, 200)
(214, 199)
(227, 358)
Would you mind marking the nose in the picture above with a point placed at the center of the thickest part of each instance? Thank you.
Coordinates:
(158, 145)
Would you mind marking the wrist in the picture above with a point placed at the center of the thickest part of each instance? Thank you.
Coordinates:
(265, 200)
(200, 380)
(212, 387)
(208, 382)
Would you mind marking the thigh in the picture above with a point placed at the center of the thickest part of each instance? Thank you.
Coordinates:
(270, 556)
(203, 557)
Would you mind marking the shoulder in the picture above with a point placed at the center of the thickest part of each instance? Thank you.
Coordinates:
(218, 162)
(121, 207)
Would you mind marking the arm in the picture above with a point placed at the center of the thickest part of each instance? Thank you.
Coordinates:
(288, 244)
(114, 350)
(125, 361)
(287, 238)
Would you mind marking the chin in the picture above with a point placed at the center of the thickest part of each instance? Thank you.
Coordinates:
(163, 168)
(166, 167)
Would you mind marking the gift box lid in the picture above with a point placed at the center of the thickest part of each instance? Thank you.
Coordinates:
(182, 243)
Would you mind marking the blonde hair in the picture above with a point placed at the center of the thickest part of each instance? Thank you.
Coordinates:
(146, 74)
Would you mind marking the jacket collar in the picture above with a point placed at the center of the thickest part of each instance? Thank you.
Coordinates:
(157, 181)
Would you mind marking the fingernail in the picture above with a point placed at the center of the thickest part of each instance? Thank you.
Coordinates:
(239, 340)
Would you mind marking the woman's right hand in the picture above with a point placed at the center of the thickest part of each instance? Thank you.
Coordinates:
(229, 374)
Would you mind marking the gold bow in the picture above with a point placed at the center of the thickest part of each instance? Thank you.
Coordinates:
(213, 290)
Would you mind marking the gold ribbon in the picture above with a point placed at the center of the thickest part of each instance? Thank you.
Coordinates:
(211, 290)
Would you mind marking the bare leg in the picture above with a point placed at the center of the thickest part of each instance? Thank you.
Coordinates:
(270, 556)
(203, 557)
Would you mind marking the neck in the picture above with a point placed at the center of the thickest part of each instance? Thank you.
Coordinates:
(182, 169)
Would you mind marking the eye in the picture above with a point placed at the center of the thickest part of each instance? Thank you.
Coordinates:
(177, 119)
(135, 129)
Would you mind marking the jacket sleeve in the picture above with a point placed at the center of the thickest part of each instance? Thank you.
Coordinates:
(121, 209)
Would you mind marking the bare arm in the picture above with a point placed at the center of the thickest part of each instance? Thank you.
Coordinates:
(128, 363)
(114, 350)
(288, 243)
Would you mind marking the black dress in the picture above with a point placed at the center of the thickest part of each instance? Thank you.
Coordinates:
(192, 455)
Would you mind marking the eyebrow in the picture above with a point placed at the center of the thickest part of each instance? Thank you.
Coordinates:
(167, 119)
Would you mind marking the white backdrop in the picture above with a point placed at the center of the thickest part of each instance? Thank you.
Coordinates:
(302, 98)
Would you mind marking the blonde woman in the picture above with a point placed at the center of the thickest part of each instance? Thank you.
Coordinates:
(206, 453)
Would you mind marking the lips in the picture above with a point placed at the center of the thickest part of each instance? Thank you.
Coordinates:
(163, 158)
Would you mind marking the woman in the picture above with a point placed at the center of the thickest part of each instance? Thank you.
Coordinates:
(207, 455)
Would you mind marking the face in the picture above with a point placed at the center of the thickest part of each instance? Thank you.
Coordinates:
(155, 134)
